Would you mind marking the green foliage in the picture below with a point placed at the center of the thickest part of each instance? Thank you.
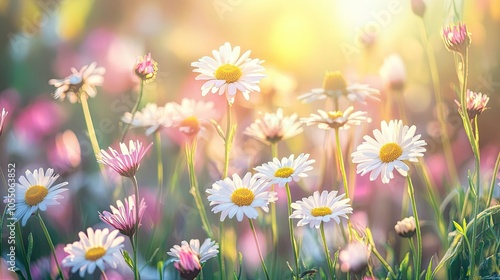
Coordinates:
(457, 257)
(127, 259)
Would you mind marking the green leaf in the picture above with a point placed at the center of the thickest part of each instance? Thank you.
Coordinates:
(151, 258)
(458, 227)
(127, 259)
(403, 267)
(19, 273)
(30, 247)
(218, 129)
(428, 274)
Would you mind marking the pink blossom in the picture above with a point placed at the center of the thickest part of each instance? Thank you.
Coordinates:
(188, 265)
(123, 216)
(128, 161)
(146, 68)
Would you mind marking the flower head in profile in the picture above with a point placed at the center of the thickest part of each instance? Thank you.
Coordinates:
(2, 119)
(336, 119)
(152, 117)
(126, 162)
(319, 208)
(228, 72)
(146, 68)
(192, 116)
(335, 86)
(80, 84)
(207, 250)
(475, 103)
(284, 171)
(122, 217)
(393, 145)
(456, 38)
(393, 73)
(274, 127)
(35, 192)
(406, 227)
(188, 265)
(240, 197)
(354, 257)
(95, 250)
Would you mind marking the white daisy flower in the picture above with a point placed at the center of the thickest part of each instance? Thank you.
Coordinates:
(321, 208)
(151, 116)
(286, 170)
(208, 250)
(227, 72)
(79, 84)
(388, 151)
(192, 116)
(96, 249)
(274, 127)
(35, 192)
(336, 119)
(335, 85)
(240, 196)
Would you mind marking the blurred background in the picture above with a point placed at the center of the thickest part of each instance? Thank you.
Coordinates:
(299, 41)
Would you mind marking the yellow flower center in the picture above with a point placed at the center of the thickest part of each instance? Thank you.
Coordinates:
(35, 194)
(334, 81)
(192, 124)
(335, 114)
(321, 211)
(284, 172)
(95, 253)
(228, 72)
(242, 197)
(390, 152)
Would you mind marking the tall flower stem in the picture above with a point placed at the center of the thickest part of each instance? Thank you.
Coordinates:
(159, 165)
(492, 185)
(327, 252)
(92, 134)
(134, 110)
(262, 262)
(135, 245)
(418, 256)
(448, 153)
(20, 241)
(274, 221)
(190, 153)
(383, 261)
(290, 226)
(51, 245)
(344, 176)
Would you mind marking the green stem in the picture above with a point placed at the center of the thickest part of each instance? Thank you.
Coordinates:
(190, 153)
(220, 256)
(492, 185)
(274, 221)
(135, 244)
(51, 245)
(263, 263)
(448, 153)
(290, 226)
(418, 256)
(344, 177)
(19, 235)
(160, 164)
(383, 261)
(134, 110)
(92, 135)
(413, 252)
(327, 252)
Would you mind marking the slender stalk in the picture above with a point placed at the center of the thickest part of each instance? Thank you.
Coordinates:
(413, 252)
(51, 245)
(344, 176)
(383, 261)
(134, 110)
(190, 153)
(448, 153)
(274, 221)
(290, 226)
(19, 238)
(220, 257)
(159, 164)
(418, 256)
(135, 245)
(104, 275)
(492, 185)
(263, 263)
(92, 135)
(327, 252)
